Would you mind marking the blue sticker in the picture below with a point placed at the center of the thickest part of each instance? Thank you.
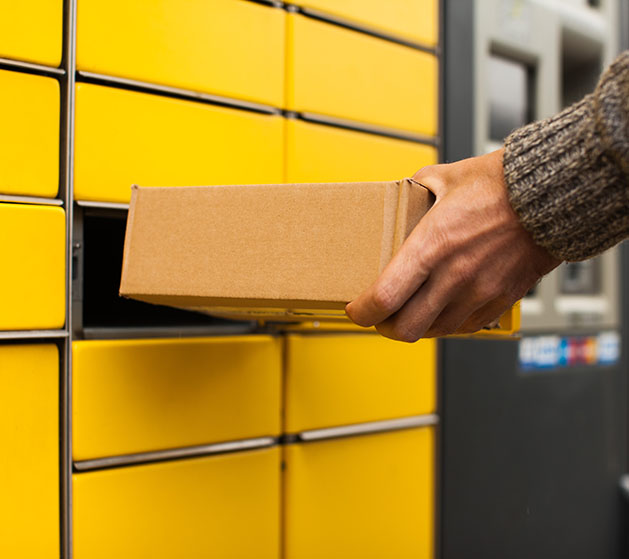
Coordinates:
(553, 352)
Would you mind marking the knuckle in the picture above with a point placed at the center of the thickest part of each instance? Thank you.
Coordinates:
(443, 328)
(430, 176)
(424, 173)
(408, 336)
(402, 332)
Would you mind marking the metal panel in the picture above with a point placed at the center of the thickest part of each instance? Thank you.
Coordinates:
(31, 30)
(369, 497)
(29, 468)
(412, 21)
(531, 460)
(29, 145)
(33, 240)
(235, 49)
(319, 153)
(190, 392)
(535, 457)
(156, 140)
(346, 74)
(217, 506)
(333, 380)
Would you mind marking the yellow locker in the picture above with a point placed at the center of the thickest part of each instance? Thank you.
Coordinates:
(134, 396)
(221, 506)
(29, 143)
(125, 137)
(31, 30)
(414, 20)
(343, 379)
(367, 497)
(318, 153)
(343, 73)
(225, 47)
(29, 461)
(33, 258)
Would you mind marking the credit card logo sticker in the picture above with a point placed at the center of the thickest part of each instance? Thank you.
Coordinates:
(553, 352)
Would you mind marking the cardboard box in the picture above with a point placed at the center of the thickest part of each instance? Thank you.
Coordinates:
(282, 252)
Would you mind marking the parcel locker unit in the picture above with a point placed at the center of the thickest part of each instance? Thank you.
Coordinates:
(533, 430)
(161, 432)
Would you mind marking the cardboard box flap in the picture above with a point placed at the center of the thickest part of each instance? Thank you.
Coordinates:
(313, 246)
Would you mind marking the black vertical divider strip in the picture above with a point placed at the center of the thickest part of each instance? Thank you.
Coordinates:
(457, 134)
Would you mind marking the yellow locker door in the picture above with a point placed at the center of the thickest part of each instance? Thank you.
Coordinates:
(344, 379)
(368, 497)
(32, 30)
(33, 258)
(29, 142)
(342, 73)
(225, 47)
(414, 20)
(133, 396)
(29, 461)
(224, 506)
(125, 137)
(319, 153)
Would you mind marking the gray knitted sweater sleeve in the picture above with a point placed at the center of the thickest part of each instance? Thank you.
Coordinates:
(567, 177)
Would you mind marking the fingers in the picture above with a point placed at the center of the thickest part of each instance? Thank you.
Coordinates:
(452, 318)
(463, 265)
(400, 279)
(411, 322)
(406, 272)
(419, 318)
(486, 315)
(433, 177)
(444, 306)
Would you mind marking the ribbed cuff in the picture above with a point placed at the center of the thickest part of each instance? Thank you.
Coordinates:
(568, 193)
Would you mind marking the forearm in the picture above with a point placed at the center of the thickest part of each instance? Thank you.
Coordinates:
(567, 177)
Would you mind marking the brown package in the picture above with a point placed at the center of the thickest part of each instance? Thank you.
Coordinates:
(280, 252)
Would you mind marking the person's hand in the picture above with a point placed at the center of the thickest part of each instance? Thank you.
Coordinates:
(466, 262)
